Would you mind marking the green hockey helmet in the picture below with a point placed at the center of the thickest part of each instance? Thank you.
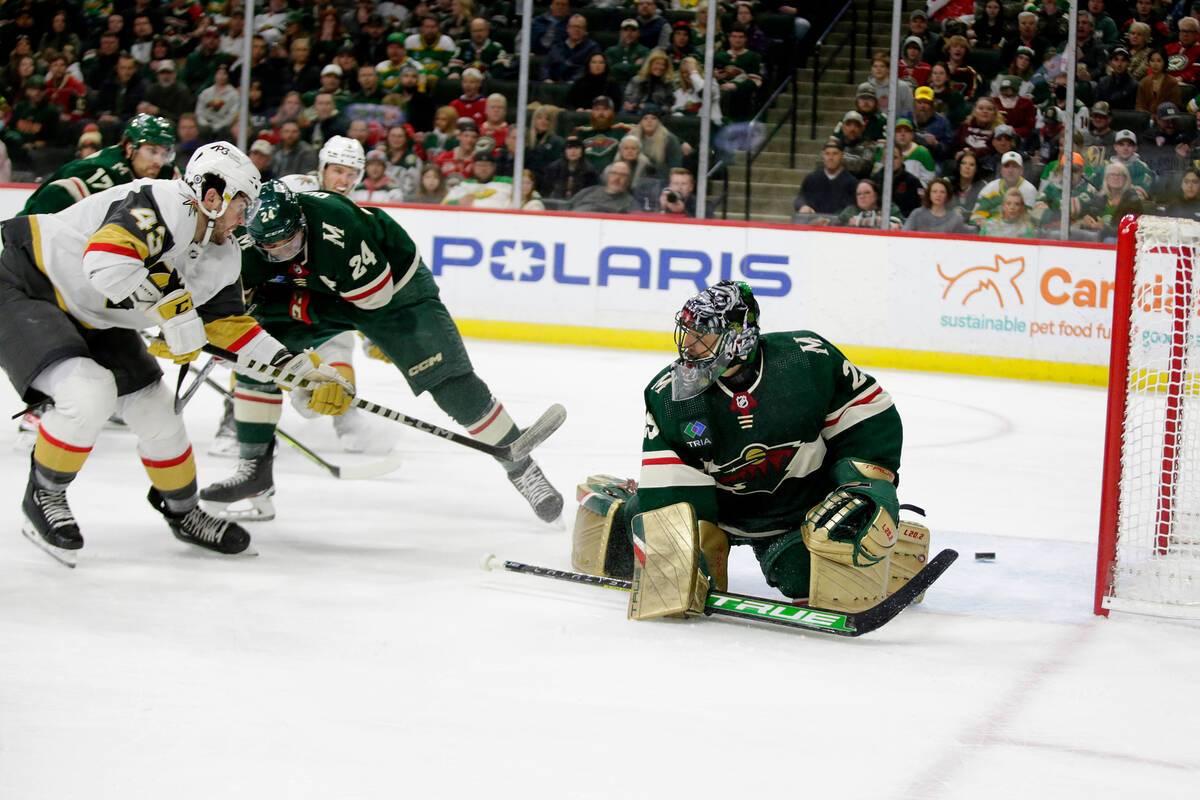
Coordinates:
(276, 222)
(715, 330)
(145, 129)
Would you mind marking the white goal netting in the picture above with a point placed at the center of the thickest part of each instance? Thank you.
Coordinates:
(1155, 565)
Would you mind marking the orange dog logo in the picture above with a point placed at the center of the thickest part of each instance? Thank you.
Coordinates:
(985, 280)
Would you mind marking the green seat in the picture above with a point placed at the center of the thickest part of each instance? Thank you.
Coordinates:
(1128, 119)
(686, 128)
(554, 94)
(445, 90)
(986, 63)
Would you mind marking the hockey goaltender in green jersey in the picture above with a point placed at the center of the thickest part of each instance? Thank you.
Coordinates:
(775, 441)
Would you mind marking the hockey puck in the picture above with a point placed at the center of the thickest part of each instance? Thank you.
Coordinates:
(985, 556)
(485, 563)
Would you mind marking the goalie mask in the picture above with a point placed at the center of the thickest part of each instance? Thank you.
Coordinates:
(276, 222)
(715, 330)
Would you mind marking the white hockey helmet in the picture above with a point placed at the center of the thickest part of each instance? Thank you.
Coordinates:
(228, 163)
(344, 151)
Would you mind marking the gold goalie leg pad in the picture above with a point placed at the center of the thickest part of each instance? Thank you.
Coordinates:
(908, 556)
(600, 539)
(667, 579)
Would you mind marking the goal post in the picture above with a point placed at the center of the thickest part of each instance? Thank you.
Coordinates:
(1148, 558)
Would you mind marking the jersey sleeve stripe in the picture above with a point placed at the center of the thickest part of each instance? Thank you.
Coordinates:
(101, 247)
(660, 472)
(124, 241)
(874, 401)
(362, 295)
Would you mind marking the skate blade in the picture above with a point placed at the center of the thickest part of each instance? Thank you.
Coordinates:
(63, 556)
(252, 509)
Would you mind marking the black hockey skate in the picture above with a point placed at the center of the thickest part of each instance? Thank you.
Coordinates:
(252, 482)
(225, 443)
(49, 523)
(545, 500)
(200, 528)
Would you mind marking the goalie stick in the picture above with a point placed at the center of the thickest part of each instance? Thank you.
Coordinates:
(759, 609)
(550, 421)
(354, 472)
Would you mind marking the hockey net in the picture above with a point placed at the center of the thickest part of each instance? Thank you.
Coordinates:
(1149, 551)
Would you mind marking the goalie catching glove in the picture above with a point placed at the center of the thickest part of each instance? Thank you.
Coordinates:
(328, 392)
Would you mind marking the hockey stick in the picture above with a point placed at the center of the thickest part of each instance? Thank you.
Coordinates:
(758, 609)
(182, 398)
(531, 437)
(354, 472)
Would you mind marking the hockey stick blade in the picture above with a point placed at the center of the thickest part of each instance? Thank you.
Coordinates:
(537, 433)
(183, 397)
(791, 615)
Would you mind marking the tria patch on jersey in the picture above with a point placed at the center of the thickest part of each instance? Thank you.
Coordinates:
(759, 468)
(695, 432)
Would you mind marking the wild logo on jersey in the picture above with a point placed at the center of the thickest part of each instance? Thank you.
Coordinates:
(759, 468)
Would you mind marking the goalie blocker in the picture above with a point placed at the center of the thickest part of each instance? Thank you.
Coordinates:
(673, 559)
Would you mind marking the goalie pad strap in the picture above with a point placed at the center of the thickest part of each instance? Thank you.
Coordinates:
(667, 578)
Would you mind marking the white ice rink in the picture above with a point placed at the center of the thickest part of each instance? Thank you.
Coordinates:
(363, 653)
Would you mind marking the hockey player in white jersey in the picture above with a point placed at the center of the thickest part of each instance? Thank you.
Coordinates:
(340, 165)
(77, 286)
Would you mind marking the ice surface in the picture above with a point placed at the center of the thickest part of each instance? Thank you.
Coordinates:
(363, 654)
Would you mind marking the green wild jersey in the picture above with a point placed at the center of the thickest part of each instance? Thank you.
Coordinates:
(361, 255)
(78, 179)
(755, 461)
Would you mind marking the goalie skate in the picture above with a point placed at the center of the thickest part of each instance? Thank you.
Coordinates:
(245, 495)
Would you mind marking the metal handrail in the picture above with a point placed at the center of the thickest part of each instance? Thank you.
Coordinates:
(820, 69)
(751, 155)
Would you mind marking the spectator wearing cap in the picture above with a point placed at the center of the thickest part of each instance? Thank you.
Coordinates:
(1090, 50)
(418, 107)
(332, 84)
(568, 57)
(1125, 153)
(89, 142)
(204, 60)
(1100, 131)
(963, 77)
(1164, 126)
(739, 72)
(397, 60)
(1019, 112)
(166, 97)
(1027, 36)
(33, 125)
(611, 197)
(377, 186)
(1004, 140)
(1183, 56)
(549, 27)
(1118, 88)
(1047, 209)
(483, 188)
(653, 87)
(937, 213)
(858, 152)
(602, 137)
(829, 189)
(369, 91)
(918, 161)
(626, 56)
(931, 129)
(991, 196)
(431, 48)
(990, 29)
(880, 69)
(1020, 68)
(455, 163)
(1105, 25)
(261, 153)
(867, 105)
(565, 177)
(471, 104)
(912, 65)
(918, 26)
(217, 106)
(479, 51)
(681, 43)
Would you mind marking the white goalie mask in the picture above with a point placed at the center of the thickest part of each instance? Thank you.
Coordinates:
(715, 330)
(228, 163)
(345, 152)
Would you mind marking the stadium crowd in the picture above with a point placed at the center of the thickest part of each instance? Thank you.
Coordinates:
(428, 88)
(980, 112)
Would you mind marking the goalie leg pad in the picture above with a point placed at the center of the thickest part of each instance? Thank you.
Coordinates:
(600, 541)
(908, 556)
(667, 576)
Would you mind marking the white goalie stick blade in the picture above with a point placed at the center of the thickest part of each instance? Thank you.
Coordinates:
(538, 432)
(63, 556)
(259, 508)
